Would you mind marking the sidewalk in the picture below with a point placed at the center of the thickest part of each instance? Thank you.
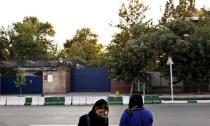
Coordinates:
(162, 96)
(88, 98)
(186, 97)
(63, 95)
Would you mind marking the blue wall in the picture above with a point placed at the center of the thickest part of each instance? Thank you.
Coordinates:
(90, 80)
(33, 85)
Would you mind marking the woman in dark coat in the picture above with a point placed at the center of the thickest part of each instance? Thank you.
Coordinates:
(98, 116)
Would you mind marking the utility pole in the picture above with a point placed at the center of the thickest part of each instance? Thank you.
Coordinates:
(170, 63)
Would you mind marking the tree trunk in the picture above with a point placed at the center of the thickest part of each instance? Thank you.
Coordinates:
(20, 90)
(198, 88)
(160, 83)
(131, 90)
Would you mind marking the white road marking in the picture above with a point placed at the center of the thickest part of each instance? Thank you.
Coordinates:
(62, 125)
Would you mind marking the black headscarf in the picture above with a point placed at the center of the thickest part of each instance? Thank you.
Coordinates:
(96, 120)
(100, 104)
(136, 100)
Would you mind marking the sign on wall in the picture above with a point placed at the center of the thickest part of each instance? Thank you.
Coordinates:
(50, 78)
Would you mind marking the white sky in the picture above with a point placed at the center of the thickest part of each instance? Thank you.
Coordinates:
(67, 16)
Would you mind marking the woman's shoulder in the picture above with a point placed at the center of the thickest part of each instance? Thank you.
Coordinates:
(84, 117)
(144, 110)
(147, 110)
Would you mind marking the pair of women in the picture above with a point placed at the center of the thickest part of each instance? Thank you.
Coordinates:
(135, 115)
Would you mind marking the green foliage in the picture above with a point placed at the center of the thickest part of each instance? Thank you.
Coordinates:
(190, 46)
(168, 12)
(85, 45)
(132, 13)
(190, 53)
(32, 38)
(121, 38)
(20, 79)
(127, 61)
(6, 40)
(181, 28)
(122, 56)
(148, 48)
(185, 9)
(29, 39)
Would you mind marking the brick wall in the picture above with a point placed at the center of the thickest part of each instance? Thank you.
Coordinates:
(58, 83)
(121, 86)
(68, 85)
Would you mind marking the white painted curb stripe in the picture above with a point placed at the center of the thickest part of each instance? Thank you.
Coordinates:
(173, 102)
(75, 100)
(68, 100)
(89, 100)
(3, 100)
(35, 100)
(63, 125)
(52, 125)
(125, 100)
(203, 101)
(41, 101)
(15, 100)
(82, 100)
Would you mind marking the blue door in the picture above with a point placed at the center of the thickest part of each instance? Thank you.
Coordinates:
(33, 85)
(90, 80)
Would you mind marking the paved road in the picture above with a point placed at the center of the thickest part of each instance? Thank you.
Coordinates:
(164, 115)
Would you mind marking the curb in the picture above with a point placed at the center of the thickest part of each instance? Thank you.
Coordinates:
(63, 125)
(85, 100)
(184, 101)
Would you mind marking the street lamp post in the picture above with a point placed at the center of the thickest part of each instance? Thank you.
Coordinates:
(170, 63)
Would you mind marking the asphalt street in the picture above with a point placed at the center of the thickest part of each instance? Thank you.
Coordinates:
(164, 115)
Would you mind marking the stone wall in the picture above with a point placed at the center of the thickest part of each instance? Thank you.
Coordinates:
(56, 81)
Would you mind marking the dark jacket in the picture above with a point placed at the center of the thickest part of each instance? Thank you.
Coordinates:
(136, 117)
(93, 120)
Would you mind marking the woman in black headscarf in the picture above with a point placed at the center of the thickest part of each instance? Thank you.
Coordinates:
(98, 116)
(136, 114)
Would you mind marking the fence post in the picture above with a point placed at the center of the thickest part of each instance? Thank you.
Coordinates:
(0, 83)
(144, 88)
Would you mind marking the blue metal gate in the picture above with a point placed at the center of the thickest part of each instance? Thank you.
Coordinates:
(33, 85)
(90, 80)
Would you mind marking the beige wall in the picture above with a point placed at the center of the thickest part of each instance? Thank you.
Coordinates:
(68, 78)
(60, 82)
(164, 81)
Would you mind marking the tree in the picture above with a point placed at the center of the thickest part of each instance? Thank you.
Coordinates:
(29, 39)
(168, 12)
(32, 39)
(186, 42)
(124, 60)
(53, 52)
(181, 27)
(192, 58)
(128, 61)
(199, 65)
(121, 38)
(131, 14)
(185, 9)
(6, 41)
(20, 79)
(188, 45)
(85, 45)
